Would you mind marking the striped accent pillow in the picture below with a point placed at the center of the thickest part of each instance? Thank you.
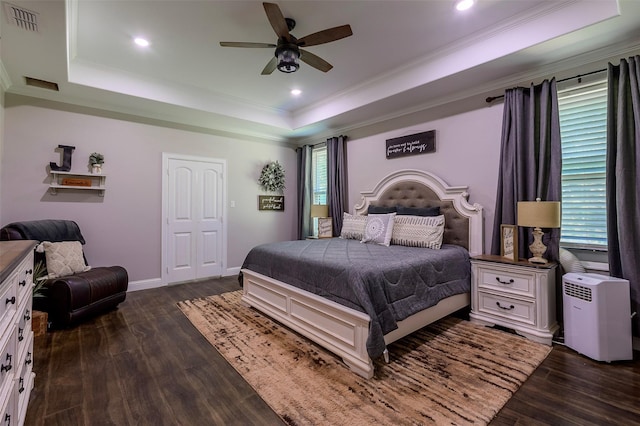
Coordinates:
(418, 231)
(353, 226)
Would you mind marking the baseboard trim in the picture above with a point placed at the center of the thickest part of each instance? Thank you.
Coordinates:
(157, 282)
(145, 284)
(231, 271)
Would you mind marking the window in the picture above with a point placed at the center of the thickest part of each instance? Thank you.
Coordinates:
(583, 129)
(319, 174)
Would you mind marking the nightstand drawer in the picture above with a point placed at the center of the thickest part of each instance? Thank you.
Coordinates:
(506, 280)
(506, 307)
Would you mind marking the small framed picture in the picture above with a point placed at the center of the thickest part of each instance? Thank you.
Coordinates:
(325, 227)
(509, 242)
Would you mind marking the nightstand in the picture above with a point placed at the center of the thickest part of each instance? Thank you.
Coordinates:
(516, 295)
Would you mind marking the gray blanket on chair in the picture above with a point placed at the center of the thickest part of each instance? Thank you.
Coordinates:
(387, 283)
(53, 230)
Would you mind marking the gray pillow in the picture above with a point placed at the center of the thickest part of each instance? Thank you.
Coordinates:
(418, 211)
(380, 210)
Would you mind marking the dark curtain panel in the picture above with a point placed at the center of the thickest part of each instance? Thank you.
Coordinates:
(530, 161)
(305, 227)
(623, 180)
(337, 180)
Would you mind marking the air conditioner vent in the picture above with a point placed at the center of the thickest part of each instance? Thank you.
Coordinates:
(43, 84)
(21, 17)
(577, 291)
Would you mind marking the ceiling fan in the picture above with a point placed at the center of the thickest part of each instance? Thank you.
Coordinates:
(288, 48)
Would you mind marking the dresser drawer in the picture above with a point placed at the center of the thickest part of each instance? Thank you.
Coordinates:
(506, 307)
(507, 280)
(8, 362)
(24, 329)
(25, 277)
(8, 302)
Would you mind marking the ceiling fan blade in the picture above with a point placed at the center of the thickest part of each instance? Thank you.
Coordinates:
(325, 36)
(244, 44)
(276, 18)
(270, 67)
(315, 61)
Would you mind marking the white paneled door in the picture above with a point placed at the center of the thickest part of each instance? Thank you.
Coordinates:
(194, 232)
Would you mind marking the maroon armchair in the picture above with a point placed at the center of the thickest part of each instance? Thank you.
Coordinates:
(75, 297)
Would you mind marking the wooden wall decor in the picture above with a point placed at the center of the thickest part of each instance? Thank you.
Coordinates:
(271, 202)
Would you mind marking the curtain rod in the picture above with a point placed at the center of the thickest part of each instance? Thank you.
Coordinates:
(493, 98)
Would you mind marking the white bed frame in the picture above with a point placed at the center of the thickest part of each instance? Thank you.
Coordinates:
(343, 330)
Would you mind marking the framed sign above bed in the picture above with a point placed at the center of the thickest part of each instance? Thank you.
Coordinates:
(419, 143)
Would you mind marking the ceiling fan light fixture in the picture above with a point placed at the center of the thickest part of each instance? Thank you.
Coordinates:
(288, 60)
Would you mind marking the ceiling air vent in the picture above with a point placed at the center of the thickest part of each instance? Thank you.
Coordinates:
(42, 84)
(21, 17)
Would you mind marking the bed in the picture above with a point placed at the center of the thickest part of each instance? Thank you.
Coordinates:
(340, 319)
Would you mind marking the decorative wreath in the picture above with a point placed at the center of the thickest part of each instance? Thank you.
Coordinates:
(272, 177)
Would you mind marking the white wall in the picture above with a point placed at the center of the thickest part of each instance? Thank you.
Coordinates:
(124, 226)
(467, 153)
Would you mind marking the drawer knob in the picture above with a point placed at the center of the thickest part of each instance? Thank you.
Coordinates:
(28, 361)
(21, 385)
(22, 283)
(29, 271)
(27, 315)
(12, 300)
(505, 282)
(506, 308)
(7, 418)
(20, 334)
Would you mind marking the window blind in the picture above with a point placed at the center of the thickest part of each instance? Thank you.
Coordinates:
(583, 129)
(319, 174)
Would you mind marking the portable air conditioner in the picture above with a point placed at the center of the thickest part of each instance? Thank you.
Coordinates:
(597, 316)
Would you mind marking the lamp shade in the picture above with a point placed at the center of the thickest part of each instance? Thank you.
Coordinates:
(539, 214)
(319, 210)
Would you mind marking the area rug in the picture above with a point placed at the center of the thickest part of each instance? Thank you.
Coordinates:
(451, 372)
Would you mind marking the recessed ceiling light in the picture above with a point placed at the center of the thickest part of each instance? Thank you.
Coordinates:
(464, 4)
(141, 42)
(296, 92)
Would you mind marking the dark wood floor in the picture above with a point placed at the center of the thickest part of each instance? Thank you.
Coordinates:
(145, 364)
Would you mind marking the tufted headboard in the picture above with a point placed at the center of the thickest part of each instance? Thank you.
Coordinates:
(416, 188)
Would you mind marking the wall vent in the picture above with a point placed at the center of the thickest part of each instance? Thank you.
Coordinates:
(21, 17)
(43, 84)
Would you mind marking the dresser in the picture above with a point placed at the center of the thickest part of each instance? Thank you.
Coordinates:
(517, 295)
(16, 336)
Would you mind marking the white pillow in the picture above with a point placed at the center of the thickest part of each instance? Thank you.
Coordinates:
(353, 226)
(418, 231)
(64, 258)
(379, 229)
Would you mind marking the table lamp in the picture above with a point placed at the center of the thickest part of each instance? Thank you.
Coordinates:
(538, 214)
(319, 211)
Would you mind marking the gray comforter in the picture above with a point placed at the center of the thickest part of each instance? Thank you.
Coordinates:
(387, 283)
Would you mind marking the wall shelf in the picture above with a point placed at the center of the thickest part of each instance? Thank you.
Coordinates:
(77, 181)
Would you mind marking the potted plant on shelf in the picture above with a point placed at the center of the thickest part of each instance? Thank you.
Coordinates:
(96, 160)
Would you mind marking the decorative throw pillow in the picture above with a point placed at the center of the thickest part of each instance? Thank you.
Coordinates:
(379, 229)
(353, 226)
(64, 258)
(380, 210)
(418, 231)
(419, 211)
